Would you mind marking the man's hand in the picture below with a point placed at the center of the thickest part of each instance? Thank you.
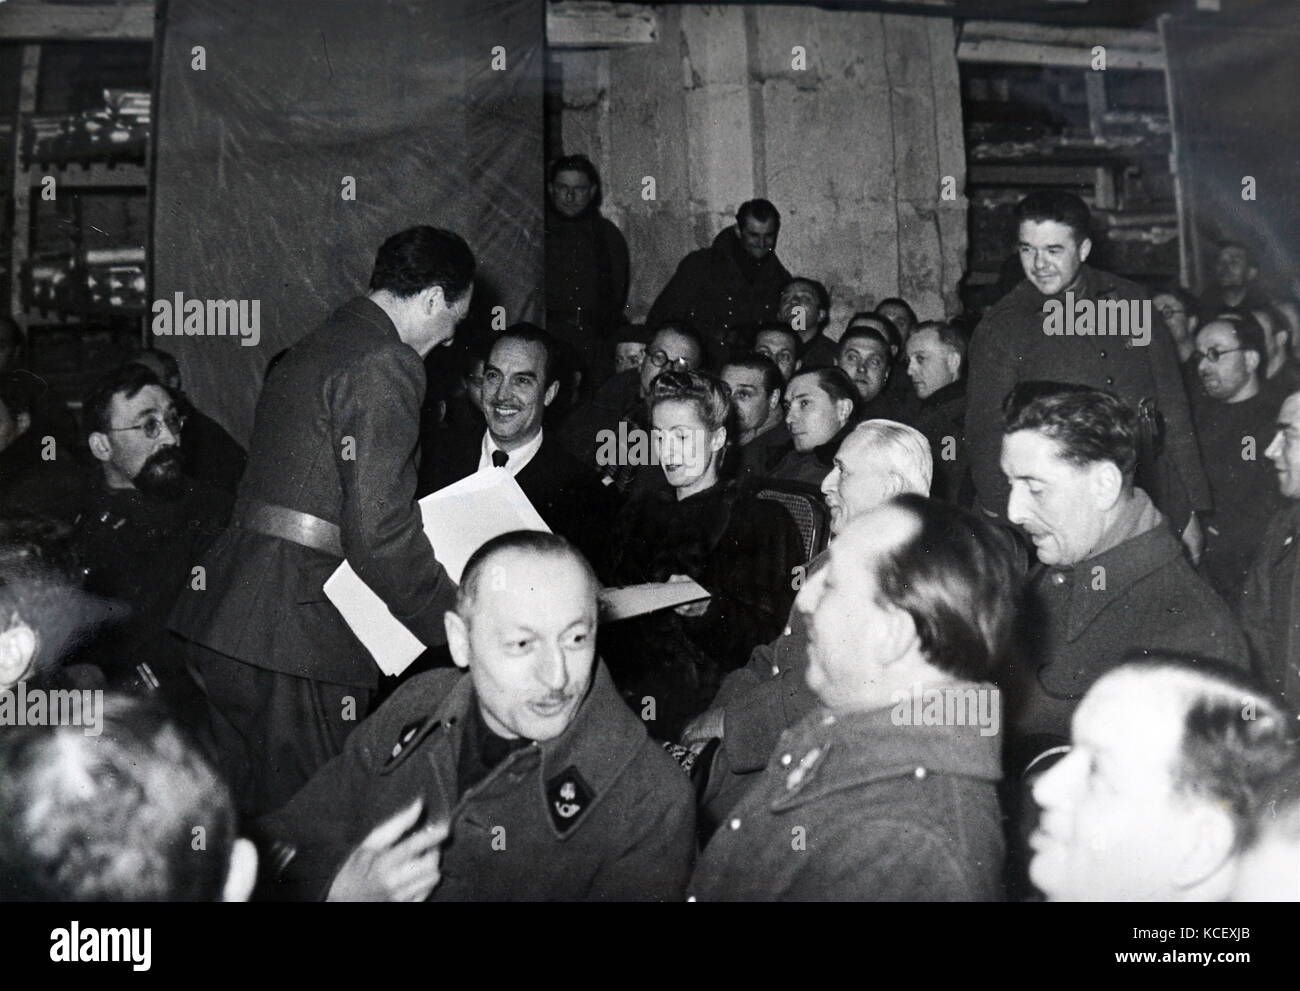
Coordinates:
(691, 609)
(707, 725)
(391, 866)
(1194, 539)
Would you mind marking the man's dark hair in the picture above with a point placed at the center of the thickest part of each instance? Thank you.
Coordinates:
(1241, 246)
(832, 381)
(777, 327)
(864, 333)
(1058, 206)
(1250, 335)
(760, 210)
(419, 257)
(949, 336)
(1189, 302)
(171, 367)
(1234, 737)
(823, 294)
(957, 579)
(112, 817)
(898, 303)
(1088, 425)
(125, 380)
(761, 363)
(530, 333)
(536, 542)
(863, 320)
(573, 163)
(682, 328)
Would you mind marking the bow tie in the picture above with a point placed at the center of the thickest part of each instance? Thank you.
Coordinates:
(499, 459)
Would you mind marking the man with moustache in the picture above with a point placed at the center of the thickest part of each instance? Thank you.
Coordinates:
(139, 524)
(1112, 581)
(519, 384)
(331, 476)
(526, 779)
(1234, 423)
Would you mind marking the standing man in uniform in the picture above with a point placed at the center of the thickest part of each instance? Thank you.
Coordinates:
(331, 475)
(1018, 341)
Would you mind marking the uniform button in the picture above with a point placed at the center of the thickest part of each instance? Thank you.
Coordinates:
(1103, 352)
(920, 774)
(785, 760)
(734, 824)
(1058, 578)
(1110, 380)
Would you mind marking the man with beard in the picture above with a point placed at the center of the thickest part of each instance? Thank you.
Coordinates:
(139, 525)
(209, 453)
(586, 265)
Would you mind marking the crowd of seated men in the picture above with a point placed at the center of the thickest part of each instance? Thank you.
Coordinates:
(1047, 561)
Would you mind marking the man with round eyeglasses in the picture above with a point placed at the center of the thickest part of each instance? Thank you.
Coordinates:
(616, 413)
(139, 525)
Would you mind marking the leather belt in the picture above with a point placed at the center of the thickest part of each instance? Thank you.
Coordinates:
(293, 526)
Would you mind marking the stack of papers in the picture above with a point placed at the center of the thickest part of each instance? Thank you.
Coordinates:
(458, 520)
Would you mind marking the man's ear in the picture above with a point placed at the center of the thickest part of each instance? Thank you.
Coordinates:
(242, 874)
(431, 298)
(954, 365)
(898, 635)
(17, 651)
(457, 638)
(773, 401)
(1085, 249)
(552, 391)
(100, 446)
(1252, 361)
(24, 423)
(844, 410)
(1105, 483)
(719, 440)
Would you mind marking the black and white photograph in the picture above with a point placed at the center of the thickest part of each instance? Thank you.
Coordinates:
(599, 452)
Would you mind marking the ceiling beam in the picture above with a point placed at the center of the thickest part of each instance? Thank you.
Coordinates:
(34, 20)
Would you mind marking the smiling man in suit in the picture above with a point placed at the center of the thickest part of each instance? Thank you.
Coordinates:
(519, 384)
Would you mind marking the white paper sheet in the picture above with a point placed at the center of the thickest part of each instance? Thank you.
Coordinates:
(637, 600)
(458, 520)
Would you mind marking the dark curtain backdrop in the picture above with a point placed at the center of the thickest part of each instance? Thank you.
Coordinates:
(1236, 113)
(251, 153)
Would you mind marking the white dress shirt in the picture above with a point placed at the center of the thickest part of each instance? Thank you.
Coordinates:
(517, 459)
